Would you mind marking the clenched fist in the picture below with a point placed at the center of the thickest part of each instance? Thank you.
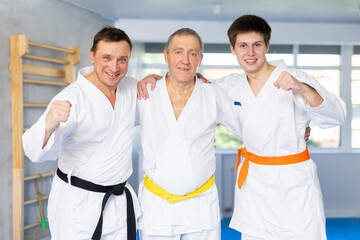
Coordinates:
(287, 82)
(59, 112)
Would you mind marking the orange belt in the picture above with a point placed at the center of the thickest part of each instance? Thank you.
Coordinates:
(282, 160)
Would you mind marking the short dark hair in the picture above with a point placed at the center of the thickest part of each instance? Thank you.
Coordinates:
(110, 34)
(249, 23)
(184, 32)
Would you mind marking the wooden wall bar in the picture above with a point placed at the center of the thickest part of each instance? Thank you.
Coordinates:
(19, 52)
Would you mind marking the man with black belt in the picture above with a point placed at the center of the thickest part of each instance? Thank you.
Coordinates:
(89, 128)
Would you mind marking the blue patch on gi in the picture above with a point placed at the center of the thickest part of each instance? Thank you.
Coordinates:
(237, 103)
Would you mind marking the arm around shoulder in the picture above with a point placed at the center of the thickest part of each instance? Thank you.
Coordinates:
(230, 113)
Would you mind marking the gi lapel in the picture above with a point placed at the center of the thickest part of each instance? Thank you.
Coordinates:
(111, 153)
(174, 139)
(262, 112)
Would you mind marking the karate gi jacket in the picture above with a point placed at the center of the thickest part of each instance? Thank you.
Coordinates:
(94, 144)
(179, 156)
(282, 202)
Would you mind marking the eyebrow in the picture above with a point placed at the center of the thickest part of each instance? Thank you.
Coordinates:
(180, 48)
(251, 42)
(109, 55)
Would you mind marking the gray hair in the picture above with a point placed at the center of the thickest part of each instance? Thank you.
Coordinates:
(185, 32)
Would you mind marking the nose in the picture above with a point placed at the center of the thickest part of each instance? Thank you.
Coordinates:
(185, 59)
(251, 51)
(114, 66)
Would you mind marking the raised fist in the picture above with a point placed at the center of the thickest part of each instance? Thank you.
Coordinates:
(287, 82)
(59, 112)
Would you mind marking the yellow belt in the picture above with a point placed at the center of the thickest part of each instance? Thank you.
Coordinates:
(152, 187)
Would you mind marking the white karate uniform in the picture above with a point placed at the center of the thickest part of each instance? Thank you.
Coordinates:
(179, 156)
(280, 202)
(94, 144)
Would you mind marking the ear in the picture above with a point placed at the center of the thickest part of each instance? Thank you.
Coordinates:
(166, 56)
(92, 56)
(268, 46)
(200, 60)
(232, 49)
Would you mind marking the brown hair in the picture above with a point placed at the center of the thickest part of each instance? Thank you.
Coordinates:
(110, 34)
(249, 23)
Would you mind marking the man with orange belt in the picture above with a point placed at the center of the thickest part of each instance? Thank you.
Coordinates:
(277, 195)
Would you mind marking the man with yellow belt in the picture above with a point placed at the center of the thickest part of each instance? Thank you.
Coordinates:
(277, 195)
(178, 198)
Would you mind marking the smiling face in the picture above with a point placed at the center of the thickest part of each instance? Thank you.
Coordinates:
(183, 58)
(250, 50)
(110, 61)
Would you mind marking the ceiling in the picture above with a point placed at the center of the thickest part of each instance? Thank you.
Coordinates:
(320, 11)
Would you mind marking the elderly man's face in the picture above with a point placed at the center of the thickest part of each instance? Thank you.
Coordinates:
(183, 58)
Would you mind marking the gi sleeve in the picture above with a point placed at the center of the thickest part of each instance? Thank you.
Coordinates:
(229, 111)
(140, 105)
(330, 113)
(137, 113)
(228, 82)
(33, 138)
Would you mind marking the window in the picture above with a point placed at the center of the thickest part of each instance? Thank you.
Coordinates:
(356, 57)
(320, 60)
(218, 61)
(355, 98)
(281, 52)
(318, 55)
(322, 63)
(330, 79)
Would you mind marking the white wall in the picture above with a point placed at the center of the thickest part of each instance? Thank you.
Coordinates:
(46, 21)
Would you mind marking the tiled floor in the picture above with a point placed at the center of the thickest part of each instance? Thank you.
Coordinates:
(336, 229)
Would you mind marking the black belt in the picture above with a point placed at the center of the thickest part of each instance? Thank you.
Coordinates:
(116, 190)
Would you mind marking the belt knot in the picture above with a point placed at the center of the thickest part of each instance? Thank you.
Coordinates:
(117, 190)
(245, 167)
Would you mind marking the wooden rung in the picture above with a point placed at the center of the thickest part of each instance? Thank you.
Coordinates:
(46, 59)
(43, 71)
(35, 200)
(32, 225)
(38, 176)
(36, 105)
(46, 82)
(25, 129)
(36, 234)
(51, 47)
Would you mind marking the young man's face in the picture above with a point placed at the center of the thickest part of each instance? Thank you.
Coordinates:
(183, 58)
(250, 50)
(110, 61)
